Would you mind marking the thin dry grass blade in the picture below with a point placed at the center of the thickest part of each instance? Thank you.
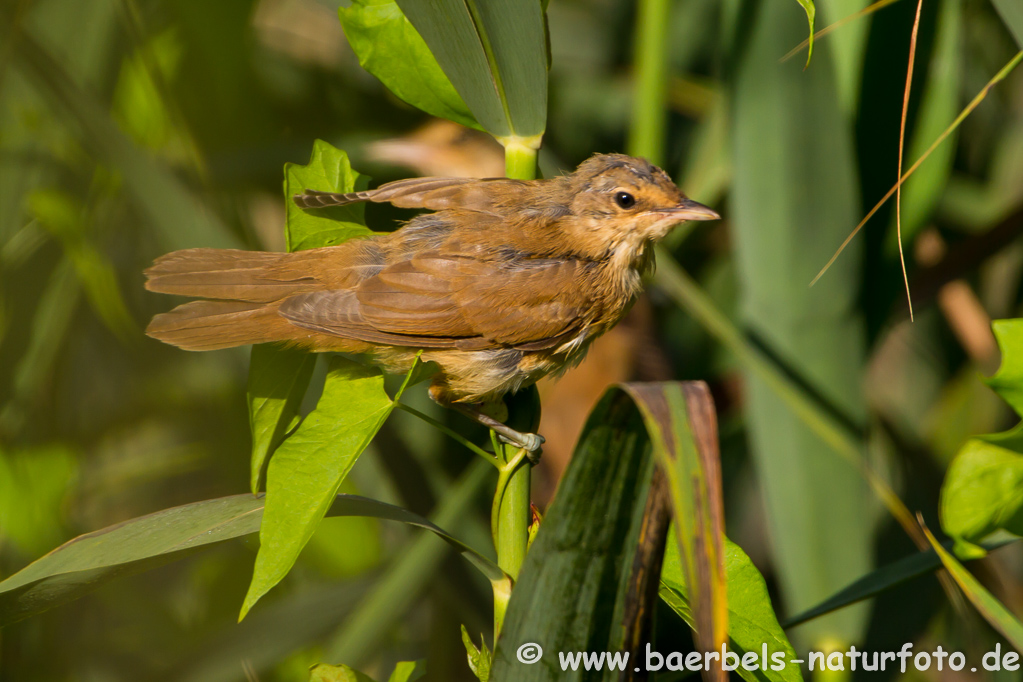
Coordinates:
(974, 103)
(869, 9)
(902, 143)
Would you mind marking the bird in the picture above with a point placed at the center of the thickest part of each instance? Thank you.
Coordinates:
(501, 283)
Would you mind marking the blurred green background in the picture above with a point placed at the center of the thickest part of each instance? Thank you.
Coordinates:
(129, 128)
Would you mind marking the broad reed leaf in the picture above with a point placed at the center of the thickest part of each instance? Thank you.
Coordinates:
(133, 546)
(572, 591)
(390, 48)
(792, 147)
(682, 426)
(495, 54)
(308, 468)
(583, 580)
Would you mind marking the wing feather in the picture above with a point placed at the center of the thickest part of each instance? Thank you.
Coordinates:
(443, 301)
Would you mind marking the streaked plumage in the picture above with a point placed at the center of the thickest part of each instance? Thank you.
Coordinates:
(507, 281)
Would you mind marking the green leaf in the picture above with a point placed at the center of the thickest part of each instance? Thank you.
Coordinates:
(278, 379)
(337, 673)
(572, 590)
(126, 548)
(328, 171)
(1011, 12)
(983, 488)
(682, 425)
(751, 620)
(1008, 380)
(390, 48)
(879, 580)
(811, 12)
(306, 471)
(793, 146)
(479, 659)
(408, 671)
(495, 54)
(994, 612)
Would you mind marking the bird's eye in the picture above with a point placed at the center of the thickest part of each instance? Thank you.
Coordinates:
(625, 200)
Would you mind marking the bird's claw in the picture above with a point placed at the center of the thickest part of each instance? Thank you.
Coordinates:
(530, 442)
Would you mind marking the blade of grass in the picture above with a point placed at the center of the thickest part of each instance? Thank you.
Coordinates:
(880, 580)
(994, 612)
(902, 144)
(974, 103)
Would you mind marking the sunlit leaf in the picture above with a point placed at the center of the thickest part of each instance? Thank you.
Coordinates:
(389, 47)
(278, 379)
(328, 171)
(811, 12)
(306, 471)
(479, 657)
(983, 488)
(751, 620)
(1008, 380)
(407, 671)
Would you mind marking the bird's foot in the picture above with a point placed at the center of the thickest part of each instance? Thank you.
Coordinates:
(530, 442)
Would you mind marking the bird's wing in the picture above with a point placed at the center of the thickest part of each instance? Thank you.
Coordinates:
(439, 300)
(435, 194)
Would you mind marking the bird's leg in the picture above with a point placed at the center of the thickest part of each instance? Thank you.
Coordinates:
(530, 442)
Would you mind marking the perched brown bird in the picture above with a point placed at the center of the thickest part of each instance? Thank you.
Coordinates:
(508, 281)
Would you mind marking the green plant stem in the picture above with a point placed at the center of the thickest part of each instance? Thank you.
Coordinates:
(646, 135)
(512, 505)
(450, 432)
(510, 512)
(520, 156)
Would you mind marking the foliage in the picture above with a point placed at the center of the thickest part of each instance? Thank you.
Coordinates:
(165, 125)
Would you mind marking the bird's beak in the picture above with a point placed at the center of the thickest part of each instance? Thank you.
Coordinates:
(687, 209)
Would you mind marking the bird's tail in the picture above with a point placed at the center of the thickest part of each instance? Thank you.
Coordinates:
(211, 325)
(246, 287)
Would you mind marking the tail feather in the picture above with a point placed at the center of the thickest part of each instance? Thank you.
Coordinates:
(225, 274)
(211, 325)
